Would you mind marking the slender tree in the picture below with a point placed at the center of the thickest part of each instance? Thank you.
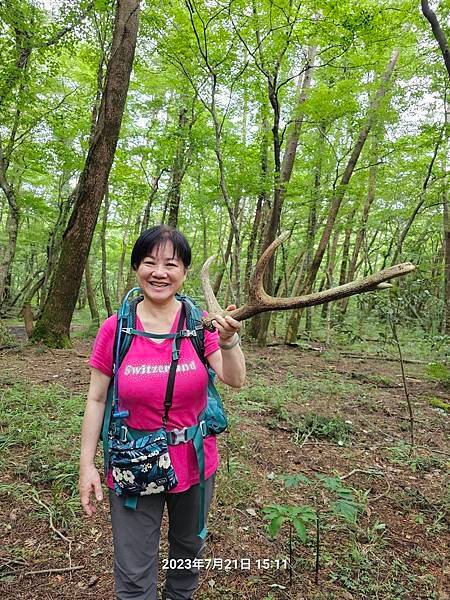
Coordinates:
(54, 324)
(438, 32)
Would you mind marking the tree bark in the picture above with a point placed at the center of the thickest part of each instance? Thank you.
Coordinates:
(446, 219)
(53, 326)
(224, 262)
(437, 32)
(90, 292)
(12, 227)
(295, 316)
(346, 247)
(179, 166)
(256, 235)
(262, 199)
(154, 185)
(55, 241)
(105, 288)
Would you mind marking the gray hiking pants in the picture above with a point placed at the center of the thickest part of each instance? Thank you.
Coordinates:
(136, 536)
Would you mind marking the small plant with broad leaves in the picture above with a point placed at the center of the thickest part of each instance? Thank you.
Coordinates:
(340, 502)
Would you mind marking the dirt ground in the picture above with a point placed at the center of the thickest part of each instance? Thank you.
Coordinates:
(398, 547)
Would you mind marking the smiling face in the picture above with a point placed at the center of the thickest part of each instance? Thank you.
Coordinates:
(161, 274)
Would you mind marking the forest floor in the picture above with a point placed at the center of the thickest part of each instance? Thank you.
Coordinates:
(340, 421)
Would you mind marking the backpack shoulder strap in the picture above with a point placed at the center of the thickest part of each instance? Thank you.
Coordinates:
(194, 321)
(126, 318)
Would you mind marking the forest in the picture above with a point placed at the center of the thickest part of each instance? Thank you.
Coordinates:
(318, 130)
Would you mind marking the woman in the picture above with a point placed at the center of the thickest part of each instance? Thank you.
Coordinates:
(161, 257)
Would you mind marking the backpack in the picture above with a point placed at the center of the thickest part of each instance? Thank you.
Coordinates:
(211, 421)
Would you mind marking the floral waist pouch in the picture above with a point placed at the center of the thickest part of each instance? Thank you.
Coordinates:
(140, 463)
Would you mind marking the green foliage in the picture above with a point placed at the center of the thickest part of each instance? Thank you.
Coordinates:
(439, 403)
(6, 339)
(298, 516)
(356, 573)
(48, 107)
(403, 454)
(341, 503)
(45, 421)
(334, 429)
(439, 372)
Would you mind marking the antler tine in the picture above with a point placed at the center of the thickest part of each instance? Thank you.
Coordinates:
(256, 293)
(214, 307)
(256, 287)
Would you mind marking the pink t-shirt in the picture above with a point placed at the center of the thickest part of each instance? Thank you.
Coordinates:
(143, 377)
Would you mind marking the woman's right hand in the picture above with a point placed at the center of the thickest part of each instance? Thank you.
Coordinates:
(89, 483)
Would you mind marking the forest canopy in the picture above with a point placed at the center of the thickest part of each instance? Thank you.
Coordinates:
(242, 119)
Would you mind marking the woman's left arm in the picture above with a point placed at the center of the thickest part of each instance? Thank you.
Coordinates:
(228, 362)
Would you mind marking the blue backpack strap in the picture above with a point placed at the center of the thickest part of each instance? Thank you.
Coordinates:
(126, 317)
(194, 322)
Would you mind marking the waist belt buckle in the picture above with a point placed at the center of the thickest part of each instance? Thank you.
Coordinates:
(188, 333)
(203, 429)
(123, 433)
(178, 436)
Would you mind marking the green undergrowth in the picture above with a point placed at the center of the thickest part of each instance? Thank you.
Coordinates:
(357, 571)
(296, 391)
(39, 436)
(439, 403)
(6, 339)
(281, 404)
(371, 334)
(417, 461)
(439, 372)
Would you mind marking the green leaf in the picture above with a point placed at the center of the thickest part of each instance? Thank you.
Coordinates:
(274, 525)
(300, 528)
(347, 509)
(307, 513)
(291, 481)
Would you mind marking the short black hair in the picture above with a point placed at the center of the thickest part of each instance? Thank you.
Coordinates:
(158, 236)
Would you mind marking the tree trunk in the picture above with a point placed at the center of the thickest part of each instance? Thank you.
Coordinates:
(342, 187)
(295, 316)
(262, 199)
(283, 172)
(437, 32)
(446, 259)
(179, 166)
(346, 246)
(90, 292)
(153, 190)
(422, 197)
(256, 234)
(327, 307)
(105, 288)
(361, 232)
(8, 251)
(53, 326)
(223, 265)
(28, 319)
(54, 244)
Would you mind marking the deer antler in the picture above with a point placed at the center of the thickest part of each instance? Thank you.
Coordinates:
(259, 300)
